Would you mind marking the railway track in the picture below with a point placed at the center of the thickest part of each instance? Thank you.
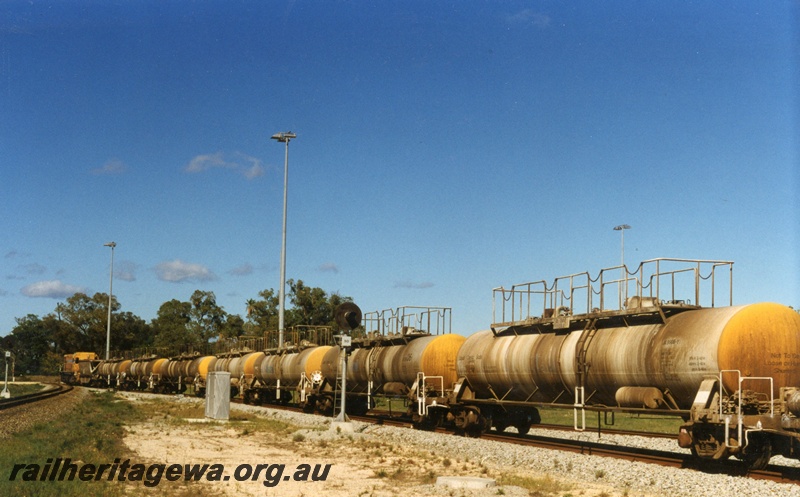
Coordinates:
(780, 474)
(51, 390)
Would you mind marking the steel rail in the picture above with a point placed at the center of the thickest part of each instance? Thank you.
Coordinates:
(780, 474)
(57, 389)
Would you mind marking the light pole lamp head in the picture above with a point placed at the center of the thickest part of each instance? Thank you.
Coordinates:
(284, 137)
(110, 244)
(622, 227)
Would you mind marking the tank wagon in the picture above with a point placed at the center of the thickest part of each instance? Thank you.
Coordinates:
(623, 342)
(263, 373)
(411, 365)
(397, 348)
(662, 339)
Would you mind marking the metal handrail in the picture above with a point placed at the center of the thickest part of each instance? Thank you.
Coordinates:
(401, 320)
(535, 299)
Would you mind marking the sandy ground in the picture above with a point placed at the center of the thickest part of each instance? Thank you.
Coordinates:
(361, 464)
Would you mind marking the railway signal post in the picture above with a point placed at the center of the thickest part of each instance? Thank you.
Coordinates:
(5, 393)
(348, 317)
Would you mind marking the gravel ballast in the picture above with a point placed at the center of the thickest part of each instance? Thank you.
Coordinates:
(628, 478)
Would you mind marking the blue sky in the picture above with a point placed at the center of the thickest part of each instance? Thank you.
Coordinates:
(443, 148)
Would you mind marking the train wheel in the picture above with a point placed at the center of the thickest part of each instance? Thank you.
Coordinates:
(523, 427)
(759, 452)
(471, 423)
(357, 406)
(325, 406)
(425, 423)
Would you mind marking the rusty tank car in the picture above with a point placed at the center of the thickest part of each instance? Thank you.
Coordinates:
(730, 371)
(278, 375)
(393, 367)
(662, 339)
(405, 353)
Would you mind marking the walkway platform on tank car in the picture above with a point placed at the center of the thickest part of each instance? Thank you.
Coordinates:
(616, 297)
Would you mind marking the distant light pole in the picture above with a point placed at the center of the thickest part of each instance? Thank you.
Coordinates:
(284, 138)
(621, 228)
(110, 293)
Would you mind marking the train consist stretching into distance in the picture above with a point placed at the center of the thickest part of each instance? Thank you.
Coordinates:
(633, 342)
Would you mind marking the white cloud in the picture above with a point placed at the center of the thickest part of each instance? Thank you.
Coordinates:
(112, 167)
(208, 161)
(178, 271)
(247, 166)
(530, 16)
(253, 171)
(53, 289)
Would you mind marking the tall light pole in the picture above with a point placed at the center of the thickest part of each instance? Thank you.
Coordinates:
(110, 293)
(284, 138)
(621, 228)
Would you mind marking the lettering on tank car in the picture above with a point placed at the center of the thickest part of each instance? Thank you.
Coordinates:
(670, 346)
(697, 363)
(470, 362)
(667, 362)
(783, 360)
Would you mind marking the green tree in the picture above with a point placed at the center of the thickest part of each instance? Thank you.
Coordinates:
(171, 327)
(234, 326)
(30, 344)
(207, 319)
(87, 318)
(63, 335)
(184, 326)
(262, 315)
(308, 306)
(81, 324)
(129, 331)
(312, 305)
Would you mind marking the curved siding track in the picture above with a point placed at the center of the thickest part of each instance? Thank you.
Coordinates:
(50, 390)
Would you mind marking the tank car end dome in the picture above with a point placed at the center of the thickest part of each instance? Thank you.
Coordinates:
(763, 340)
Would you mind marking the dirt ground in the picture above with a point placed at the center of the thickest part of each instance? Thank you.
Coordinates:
(361, 464)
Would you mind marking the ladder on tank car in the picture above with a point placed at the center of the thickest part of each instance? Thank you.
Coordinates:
(341, 380)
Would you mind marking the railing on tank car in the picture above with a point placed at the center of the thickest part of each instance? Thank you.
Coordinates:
(675, 281)
(408, 319)
(293, 336)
